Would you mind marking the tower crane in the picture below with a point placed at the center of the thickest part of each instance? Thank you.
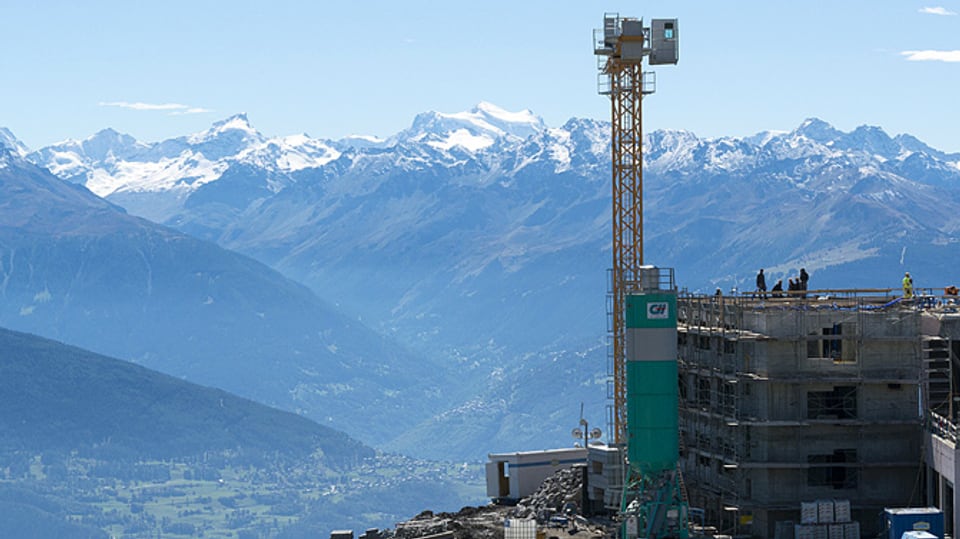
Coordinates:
(644, 413)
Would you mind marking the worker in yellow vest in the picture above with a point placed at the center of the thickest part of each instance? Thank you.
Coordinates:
(907, 286)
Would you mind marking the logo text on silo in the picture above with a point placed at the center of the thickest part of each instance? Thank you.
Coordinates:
(658, 310)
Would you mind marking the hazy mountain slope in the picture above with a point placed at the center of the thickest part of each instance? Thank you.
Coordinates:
(501, 273)
(74, 268)
(91, 444)
(61, 398)
(25, 514)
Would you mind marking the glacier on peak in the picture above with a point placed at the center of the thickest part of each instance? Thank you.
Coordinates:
(371, 139)
(465, 139)
(187, 171)
(290, 153)
(360, 142)
(485, 123)
(522, 117)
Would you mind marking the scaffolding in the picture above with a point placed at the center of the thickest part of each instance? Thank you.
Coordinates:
(806, 396)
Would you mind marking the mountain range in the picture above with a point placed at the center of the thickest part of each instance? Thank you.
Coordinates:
(479, 241)
(77, 268)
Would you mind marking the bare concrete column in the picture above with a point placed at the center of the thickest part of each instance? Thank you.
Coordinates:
(941, 493)
(949, 500)
(933, 486)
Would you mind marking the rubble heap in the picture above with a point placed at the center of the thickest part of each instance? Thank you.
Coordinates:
(555, 494)
(470, 522)
(555, 506)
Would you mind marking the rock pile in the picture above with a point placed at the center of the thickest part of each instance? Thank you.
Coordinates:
(469, 522)
(555, 506)
(556, 494)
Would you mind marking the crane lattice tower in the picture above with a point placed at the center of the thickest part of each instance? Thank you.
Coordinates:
(621, 46)
(620, 53)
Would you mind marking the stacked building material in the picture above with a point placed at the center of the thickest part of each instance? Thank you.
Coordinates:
(826, 519)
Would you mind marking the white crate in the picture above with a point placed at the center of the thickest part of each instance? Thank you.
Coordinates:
(515, 528)
(825, 511)
(841, 511)
(804, 531)
(851, 530)
(808, 512)
(835, 531)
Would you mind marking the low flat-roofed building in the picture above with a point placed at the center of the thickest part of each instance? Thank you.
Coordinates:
(511, 476)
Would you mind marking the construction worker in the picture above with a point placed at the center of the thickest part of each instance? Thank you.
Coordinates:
(761, 285)
(778, 289)
(907, 286)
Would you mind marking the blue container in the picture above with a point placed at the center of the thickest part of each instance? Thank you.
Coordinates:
(906, 519)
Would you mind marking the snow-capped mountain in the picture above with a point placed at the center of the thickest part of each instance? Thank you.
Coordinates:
(10, 143)
(482, 237)
(154, 180)
(110, 162)
(289, 154)
(473, 130)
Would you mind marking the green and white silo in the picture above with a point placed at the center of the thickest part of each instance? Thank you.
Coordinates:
(651, 375)
(652, 507)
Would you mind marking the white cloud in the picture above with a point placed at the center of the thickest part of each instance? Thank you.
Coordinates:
(936, 11)
(191, 110)
(933, 56)
(143, 106)
(175, 109)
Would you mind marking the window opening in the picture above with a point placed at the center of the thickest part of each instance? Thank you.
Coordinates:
(833, 470)
(828, 344)
(838, 403)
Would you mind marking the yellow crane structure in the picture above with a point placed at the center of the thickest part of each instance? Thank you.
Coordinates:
(621, 46)
(644, 420)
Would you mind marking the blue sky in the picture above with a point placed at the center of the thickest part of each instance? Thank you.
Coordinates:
(162, 69)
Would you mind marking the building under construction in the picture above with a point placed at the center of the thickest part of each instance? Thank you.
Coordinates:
(827, 395)
(822, 396)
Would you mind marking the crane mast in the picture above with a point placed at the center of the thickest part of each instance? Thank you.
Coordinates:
(621, 47)
(643, 320)
(625, 87)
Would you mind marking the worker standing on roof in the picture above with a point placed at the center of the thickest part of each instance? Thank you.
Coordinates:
(761, 285)
(907, 285)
